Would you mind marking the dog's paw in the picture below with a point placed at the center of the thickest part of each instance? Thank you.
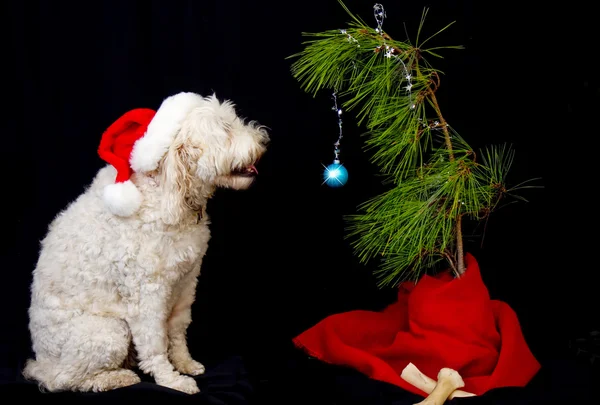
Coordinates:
(110, 380)
(191, 367)
(184, 384)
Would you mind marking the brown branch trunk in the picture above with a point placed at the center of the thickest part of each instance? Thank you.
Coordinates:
(459, 247)
(460, 262)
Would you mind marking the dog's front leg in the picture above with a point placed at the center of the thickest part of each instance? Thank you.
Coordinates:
(180, 319)
(150, 336)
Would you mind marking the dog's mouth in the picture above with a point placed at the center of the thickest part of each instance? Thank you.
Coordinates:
(248, 171)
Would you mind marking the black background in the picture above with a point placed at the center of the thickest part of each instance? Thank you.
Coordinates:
(277, 262)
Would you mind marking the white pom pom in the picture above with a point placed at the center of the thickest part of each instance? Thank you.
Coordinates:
(148, 150)
(122, 199)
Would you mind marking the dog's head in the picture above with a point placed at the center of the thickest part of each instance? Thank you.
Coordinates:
(218, 146)
(191, 145)
(213, 147)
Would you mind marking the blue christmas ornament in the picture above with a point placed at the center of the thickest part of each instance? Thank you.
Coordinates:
(335, 175)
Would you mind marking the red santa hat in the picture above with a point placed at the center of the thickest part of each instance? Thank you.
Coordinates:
(136, 142)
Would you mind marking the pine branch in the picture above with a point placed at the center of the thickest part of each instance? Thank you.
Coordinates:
(435, 177)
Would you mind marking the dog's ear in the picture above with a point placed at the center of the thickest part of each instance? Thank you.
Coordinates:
(178, 180)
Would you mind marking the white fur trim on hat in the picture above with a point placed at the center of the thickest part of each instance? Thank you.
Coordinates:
(122, 199)
(148, 150)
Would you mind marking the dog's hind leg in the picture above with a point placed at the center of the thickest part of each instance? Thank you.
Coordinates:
(85, 353)
(179, 320)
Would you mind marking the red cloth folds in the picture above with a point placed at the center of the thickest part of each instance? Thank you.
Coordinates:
(439, 322)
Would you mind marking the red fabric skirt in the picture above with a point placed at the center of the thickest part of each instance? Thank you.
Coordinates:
(439, 322)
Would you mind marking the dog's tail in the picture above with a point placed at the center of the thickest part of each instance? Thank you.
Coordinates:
(41, 372)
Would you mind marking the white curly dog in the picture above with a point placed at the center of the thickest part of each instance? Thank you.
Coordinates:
(118, 268)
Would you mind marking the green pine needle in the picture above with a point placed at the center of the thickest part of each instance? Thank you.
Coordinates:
(435, 178)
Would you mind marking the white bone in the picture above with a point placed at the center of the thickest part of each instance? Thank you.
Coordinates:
(415, 377)
(448, 380)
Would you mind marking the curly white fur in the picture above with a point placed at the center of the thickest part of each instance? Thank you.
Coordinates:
(107, 286)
